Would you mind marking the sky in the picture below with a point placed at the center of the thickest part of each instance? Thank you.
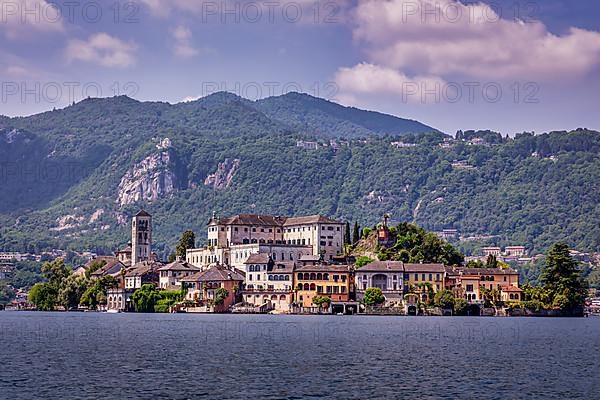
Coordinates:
(505, 65)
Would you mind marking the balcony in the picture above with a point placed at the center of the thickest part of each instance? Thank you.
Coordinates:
(265, 291)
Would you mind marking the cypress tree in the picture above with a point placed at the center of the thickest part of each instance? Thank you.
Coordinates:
(347, 237)
(355, 234)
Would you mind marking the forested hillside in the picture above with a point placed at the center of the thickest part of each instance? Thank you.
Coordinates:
(73, 177)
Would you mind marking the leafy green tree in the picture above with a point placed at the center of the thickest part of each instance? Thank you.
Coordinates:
(474, 264)
(71, 290)
(95, 293)
(220, 296)
(94, 266)
(321, 301)
(361, 261)
(373, 296)
(187, 241)
(563, 280)
(460, 306)
(172, 258)
(47, 295)
(365, 232)
(6, 294)
(56, 272)
(43, 296)
(444, 299)
(144, 299)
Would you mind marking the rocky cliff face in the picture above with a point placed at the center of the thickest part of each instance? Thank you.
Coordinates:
(153, 178)
(224, 174)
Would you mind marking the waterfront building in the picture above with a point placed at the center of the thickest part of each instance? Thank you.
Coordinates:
(269, 284)
(202, 287)
(424, 276)
(385, 275)
(467, 282)
(511, 293)
(333, 281)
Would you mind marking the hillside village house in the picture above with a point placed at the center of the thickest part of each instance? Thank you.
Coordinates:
(268, 284)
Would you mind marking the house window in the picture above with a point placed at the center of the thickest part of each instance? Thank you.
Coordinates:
(416, 277)
(469, 288)
(437, 277)
(422, 277)
(430, 277)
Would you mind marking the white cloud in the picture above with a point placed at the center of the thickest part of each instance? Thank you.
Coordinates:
(24, 18)
(102, 49)
(368, 78)
(183, 43)
(447, 38)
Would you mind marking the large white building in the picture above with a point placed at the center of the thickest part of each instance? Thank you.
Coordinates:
(232, 240)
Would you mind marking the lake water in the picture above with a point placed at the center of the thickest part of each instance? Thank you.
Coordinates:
(179, 356)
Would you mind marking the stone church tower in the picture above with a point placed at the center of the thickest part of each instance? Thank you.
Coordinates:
(141, 237)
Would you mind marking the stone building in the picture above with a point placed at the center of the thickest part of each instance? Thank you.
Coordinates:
(385, 275)
(141, 237)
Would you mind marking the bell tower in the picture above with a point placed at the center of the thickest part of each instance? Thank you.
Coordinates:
(141, 237)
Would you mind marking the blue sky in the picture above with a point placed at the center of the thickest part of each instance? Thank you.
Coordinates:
(451, 65)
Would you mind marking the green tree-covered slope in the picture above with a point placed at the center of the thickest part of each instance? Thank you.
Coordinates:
(533, 189)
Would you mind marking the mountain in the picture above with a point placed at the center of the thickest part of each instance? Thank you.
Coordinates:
(314, 115)
(71, 178)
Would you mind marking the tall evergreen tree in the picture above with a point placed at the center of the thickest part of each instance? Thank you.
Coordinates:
(563, 279)
(491, 262)
(347, 237)
(355, 234)
(187, 241)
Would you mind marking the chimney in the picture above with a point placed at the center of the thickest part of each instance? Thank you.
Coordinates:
(178, 258)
